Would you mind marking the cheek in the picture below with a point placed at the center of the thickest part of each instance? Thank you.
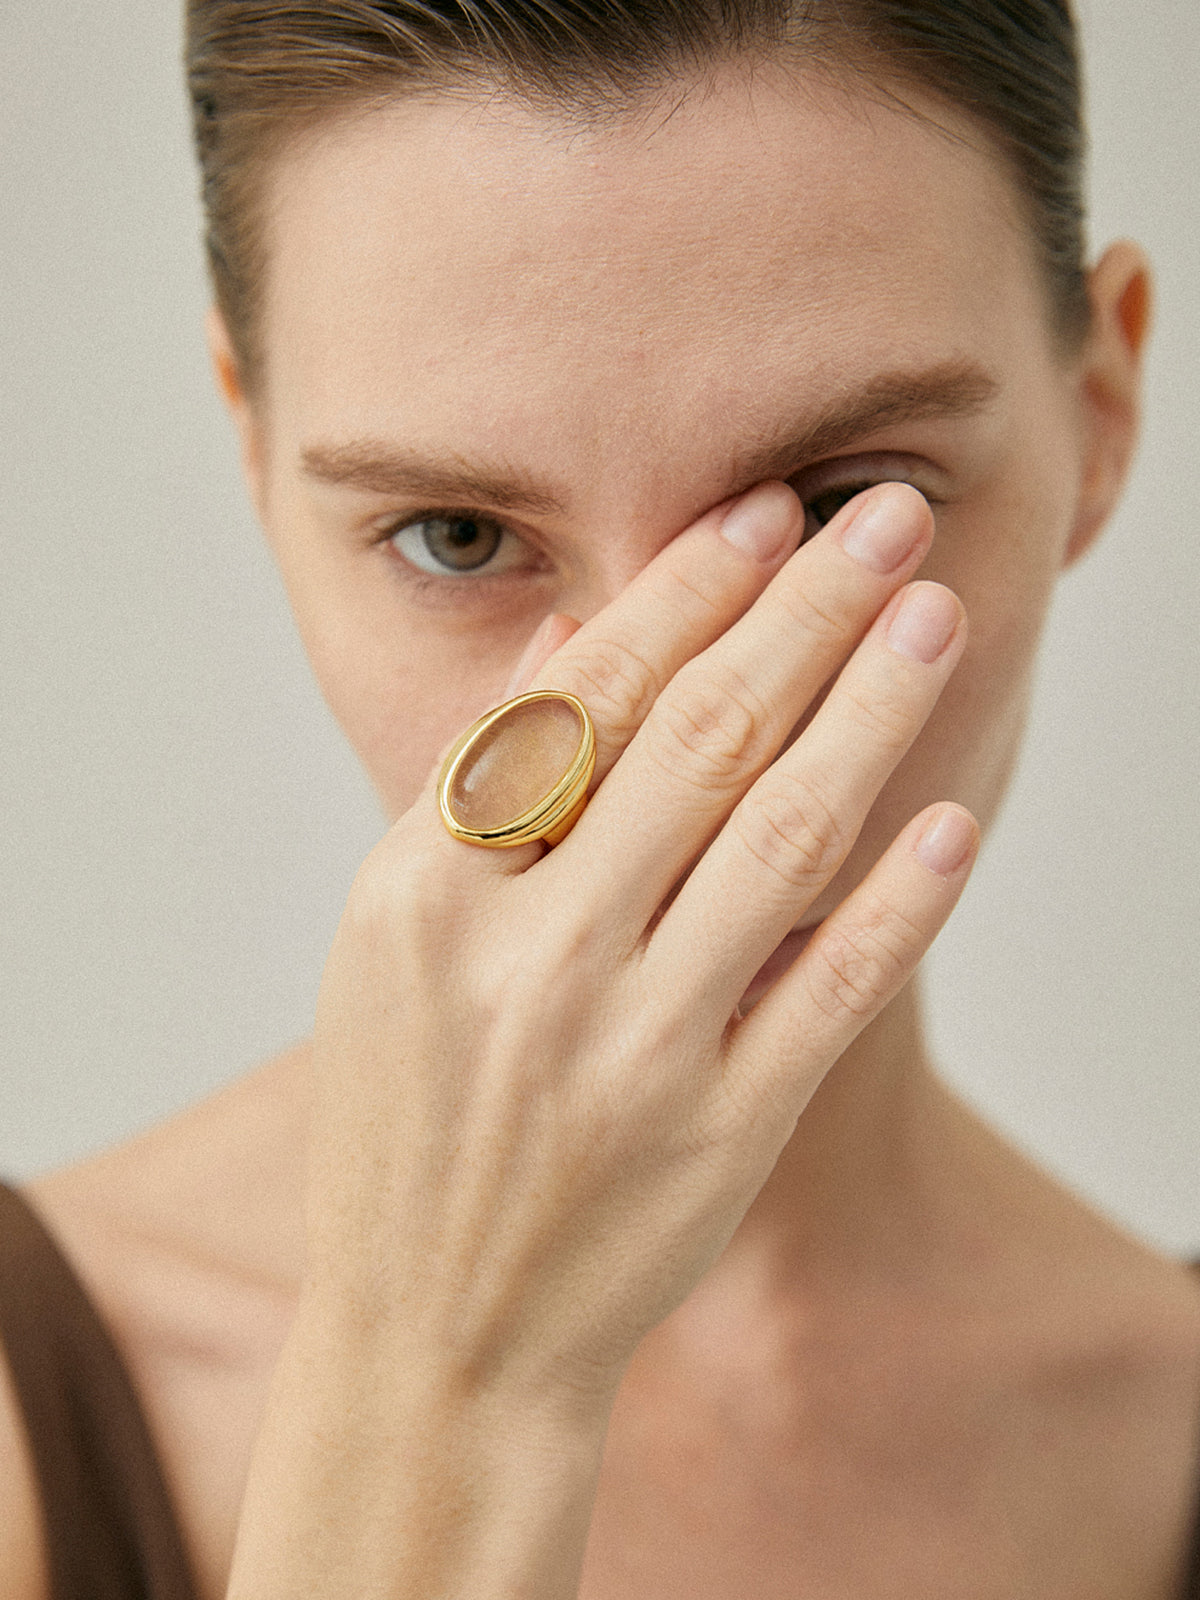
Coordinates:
(970, 745)
(1003, 557)
(968, 748)
(400, 683)
(1003, 562)
(400, 707)
(401, 696)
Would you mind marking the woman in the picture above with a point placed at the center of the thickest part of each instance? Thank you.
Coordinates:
(647, 357)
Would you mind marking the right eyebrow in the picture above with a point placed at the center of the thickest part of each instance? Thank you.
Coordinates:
(951, 388)
(378, 468)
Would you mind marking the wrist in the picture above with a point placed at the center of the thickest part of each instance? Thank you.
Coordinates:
(385, 1471)
(416, 1350)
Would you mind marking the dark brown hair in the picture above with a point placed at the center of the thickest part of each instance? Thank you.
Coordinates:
(261, 70)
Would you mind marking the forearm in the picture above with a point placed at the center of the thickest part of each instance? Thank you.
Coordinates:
(371, 1480)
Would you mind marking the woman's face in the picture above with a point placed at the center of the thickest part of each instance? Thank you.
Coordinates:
(508, 359)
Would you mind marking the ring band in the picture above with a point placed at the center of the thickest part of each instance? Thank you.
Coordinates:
(520, 773)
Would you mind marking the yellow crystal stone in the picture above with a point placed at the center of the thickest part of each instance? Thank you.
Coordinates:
(515, 763)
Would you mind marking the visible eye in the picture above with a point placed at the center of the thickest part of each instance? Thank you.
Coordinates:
(826, 490)
(822, 508)
(459, 546)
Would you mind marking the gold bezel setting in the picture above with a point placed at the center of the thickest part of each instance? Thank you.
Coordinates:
(556, 813)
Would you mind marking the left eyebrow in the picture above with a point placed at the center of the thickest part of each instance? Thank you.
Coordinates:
(956, 388)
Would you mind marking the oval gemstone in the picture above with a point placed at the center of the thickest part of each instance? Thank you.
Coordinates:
(515, 763)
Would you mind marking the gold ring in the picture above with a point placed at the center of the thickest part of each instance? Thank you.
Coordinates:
(520, 773)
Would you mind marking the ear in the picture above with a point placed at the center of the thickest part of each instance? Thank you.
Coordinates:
(1110, 383)
(227, 371)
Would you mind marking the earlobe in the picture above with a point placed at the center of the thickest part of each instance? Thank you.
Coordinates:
(1110, 382)
(228, 375)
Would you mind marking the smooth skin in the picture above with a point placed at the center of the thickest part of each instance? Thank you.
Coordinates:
(645, 1253)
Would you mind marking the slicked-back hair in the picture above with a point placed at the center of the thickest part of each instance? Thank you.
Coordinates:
(259, 71)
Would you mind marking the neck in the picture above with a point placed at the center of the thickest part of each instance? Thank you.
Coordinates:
(888, 1186)
(859, 1165)
(888, 1182)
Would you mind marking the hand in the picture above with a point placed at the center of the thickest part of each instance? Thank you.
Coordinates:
(540, 1114)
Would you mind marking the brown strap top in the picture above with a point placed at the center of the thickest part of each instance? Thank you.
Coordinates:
(111, 1532)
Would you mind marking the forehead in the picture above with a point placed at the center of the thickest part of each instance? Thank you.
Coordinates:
(448, 269)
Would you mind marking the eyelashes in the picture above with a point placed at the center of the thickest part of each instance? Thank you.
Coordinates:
(822, 508)
(459, 545)
(466, 545)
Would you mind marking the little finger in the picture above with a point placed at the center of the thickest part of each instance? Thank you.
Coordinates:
(859, 958)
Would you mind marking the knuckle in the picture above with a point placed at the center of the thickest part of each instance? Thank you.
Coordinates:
(691, 597)
(813, 619)
(757, 1107)
(396, 885)
(853, 972)
(792, 831)
(845, 978)
(885, 718)
(564, 950)
(617, 685)
(710, 727)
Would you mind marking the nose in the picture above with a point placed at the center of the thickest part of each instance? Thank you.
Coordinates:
(600, 560)
(610, 550)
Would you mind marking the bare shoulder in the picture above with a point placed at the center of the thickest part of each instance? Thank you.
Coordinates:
(1144, 1411)
(1082, 1343)
(23, 1573)
(188, 1241)
(1117, 1379)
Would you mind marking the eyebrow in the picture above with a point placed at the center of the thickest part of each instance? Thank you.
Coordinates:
(447, 479)
(955, 388)
(949, 389)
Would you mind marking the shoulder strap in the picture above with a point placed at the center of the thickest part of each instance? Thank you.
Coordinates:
(111, 1532)
(1191, 1583)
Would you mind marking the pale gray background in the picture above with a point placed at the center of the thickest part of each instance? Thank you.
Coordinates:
(181, 820)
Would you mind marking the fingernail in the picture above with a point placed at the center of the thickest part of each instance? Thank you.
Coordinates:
(885, 531)
(925, 623)
(763, 523)
(946, 843)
